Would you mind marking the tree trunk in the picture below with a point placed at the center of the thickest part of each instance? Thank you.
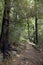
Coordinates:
(28, 29)
(5, 29)
(36, 30)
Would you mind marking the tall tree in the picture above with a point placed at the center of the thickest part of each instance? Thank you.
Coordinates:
(36, 21)
(36, 31)
(5, 28)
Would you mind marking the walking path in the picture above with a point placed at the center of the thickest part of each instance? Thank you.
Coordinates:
(28, 56)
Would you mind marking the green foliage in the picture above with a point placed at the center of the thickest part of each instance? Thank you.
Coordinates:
(22, 21)
(1, 13)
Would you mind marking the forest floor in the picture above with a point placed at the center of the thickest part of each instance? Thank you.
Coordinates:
(25, 56)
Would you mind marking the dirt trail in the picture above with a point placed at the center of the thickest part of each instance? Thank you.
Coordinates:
(28, 56)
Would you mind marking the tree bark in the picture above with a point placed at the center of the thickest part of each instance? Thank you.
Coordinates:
(36, 30)
(28, 29)
(5, 29)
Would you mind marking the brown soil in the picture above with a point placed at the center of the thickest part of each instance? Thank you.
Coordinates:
(28, 56)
